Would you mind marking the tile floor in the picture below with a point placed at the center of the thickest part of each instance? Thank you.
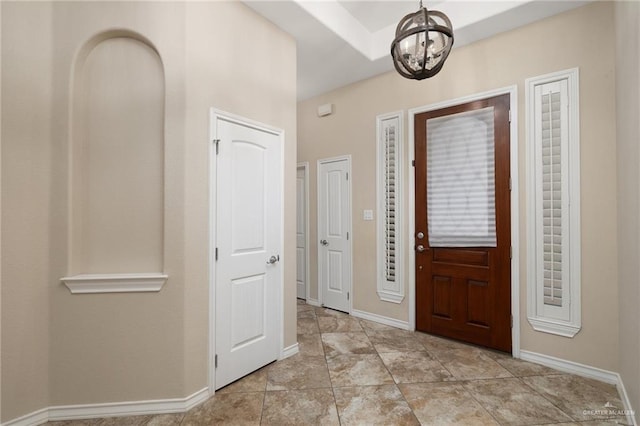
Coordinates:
(356, 372)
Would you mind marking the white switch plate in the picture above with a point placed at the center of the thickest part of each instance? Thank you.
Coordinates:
(367, 214)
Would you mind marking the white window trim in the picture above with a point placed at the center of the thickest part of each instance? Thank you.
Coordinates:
(389, 291)
(538, 320)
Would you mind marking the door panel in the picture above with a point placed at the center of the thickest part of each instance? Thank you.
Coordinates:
(248, 233)
(463, 284)
(334, 219)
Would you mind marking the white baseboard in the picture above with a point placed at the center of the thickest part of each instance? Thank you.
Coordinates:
(290, 351)
(381, 319)
(36, 418)
(116, 409)
(312, 302)
(584, 371)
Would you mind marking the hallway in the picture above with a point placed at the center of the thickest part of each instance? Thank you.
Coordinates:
(356, 372)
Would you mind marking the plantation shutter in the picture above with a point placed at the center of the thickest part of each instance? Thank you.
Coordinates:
(460, 180)
(551, 149)
(389, 282)
(553, 203)
(390, 142)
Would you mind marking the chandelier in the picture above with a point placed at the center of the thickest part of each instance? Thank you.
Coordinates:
(423, 42)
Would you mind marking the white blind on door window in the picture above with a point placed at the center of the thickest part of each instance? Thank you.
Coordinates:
(551, 156)
(390, 142)
(460, 180)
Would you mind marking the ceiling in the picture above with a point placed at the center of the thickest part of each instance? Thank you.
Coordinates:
(343, 41)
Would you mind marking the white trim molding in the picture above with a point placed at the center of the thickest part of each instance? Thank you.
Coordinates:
(389, 130)
(307, 269)
(584, 371)
(313, 302)
(116, 409)
(515, 206)
(115, 283)
(392, 322)
(555, 309)
(290, 351)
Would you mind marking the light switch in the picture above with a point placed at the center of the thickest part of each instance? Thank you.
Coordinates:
(367, 214)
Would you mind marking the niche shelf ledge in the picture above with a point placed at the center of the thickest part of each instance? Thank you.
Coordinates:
(115, 283)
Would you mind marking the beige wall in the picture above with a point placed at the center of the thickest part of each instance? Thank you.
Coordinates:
(561, 42)
(26, 167)
(63, 349)
(627, 18)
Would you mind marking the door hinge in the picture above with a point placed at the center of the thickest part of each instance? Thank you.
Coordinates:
(511, 321)
(347, 235)
(510, 183)
(347, 175)
(216, 253)
(347, 295)
(217, 142)
(509, 116)
(216, 361)
(510, 252)
(413, 163)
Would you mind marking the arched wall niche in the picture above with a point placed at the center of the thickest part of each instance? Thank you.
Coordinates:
(116, 185)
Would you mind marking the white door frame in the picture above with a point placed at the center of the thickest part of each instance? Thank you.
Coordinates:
(213, 117)
(307, 277)
(350, 218)
(515, 203)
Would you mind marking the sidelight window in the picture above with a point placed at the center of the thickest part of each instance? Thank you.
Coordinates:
(389, 245)
(553, 186)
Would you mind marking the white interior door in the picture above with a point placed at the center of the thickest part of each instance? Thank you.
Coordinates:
(301, 232)
(248, 242)
(334, 227)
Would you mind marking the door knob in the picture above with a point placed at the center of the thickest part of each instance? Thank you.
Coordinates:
(420, 235)
(324, 242)
(420, 248)
(273, 259)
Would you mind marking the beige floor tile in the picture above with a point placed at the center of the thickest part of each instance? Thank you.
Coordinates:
(511, 402)
(414, 367)
(372, 327)
(125, 421)
(300, 407)
(520, 368)
(445, 404)
(471, 363)
(435, 344)
(335, 324)
(358, 370)
(346, 343)
(373, 405)
(320, 311)
(302, 305)
(395, 341)
(308, 314)
(308, 326)
(580, 398)
(591, 423)
(254, 382)
(229, 409)
(166, 420)
(310, 345)
(298, 372)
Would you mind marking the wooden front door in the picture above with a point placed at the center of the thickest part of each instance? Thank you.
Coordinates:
(463, 224)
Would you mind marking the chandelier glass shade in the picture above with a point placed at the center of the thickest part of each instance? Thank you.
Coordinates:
(422, 44)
